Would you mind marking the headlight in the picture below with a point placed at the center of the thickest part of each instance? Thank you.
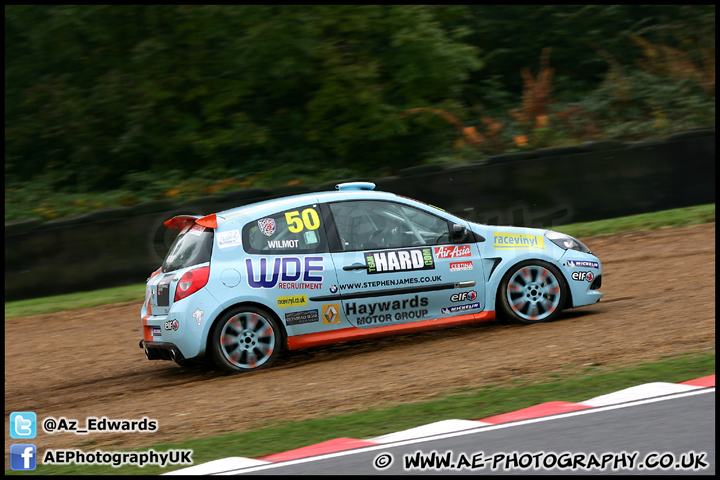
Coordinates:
(566, 242)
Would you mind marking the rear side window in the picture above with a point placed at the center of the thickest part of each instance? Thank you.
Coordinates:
(298, 230)
(192, 246)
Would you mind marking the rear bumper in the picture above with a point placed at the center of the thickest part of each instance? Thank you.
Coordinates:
(161, 351)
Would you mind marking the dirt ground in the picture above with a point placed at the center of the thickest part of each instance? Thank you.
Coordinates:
(659, 300)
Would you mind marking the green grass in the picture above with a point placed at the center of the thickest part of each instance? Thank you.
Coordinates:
(578, 383)
(70, 301)
(680, 217)
(676, 218)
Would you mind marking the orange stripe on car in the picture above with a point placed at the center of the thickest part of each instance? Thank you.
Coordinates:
(354, 333)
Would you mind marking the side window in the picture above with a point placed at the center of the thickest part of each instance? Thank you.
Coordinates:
(372, 225)
(298, 230)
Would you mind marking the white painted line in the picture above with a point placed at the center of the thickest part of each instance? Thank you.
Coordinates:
(385, 446)
(216, 466)
(443, 426)
(647, 390)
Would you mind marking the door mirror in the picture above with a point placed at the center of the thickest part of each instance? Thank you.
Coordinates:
(458, 233)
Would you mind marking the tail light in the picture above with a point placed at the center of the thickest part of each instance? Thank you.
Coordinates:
(191, 282)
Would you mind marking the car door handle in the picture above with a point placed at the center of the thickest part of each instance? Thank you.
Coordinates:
(355, 267)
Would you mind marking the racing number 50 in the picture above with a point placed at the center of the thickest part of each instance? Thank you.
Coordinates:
(307, 219)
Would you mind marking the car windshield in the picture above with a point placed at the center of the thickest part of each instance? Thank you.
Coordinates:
(192, 247)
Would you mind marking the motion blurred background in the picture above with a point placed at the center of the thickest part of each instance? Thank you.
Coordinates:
(110, 106)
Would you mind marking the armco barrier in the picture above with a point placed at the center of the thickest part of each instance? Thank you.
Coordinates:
(545, 188)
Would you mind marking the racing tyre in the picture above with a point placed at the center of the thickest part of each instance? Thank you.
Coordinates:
(245, 339)
(532, 292)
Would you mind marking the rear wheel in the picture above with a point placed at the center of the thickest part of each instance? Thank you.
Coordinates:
(245, 339)
(532, 292)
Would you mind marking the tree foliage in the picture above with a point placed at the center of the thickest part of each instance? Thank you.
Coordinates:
(98, 97)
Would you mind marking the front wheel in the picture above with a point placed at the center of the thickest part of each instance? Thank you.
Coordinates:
(245, 339)
(532, 292)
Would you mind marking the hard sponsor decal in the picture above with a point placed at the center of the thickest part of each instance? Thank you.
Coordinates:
(406, 260)
(331, 314)
(306, 316)
(292, 301)
(231, 238)
(172, 325)
(388, 311)
(463, 296)
(156, 332)
(291, 272)
(267, 226)
(460, 308)
(582, 276)
(582, 264)
(453, 251)
(460, 266)
(511, 241)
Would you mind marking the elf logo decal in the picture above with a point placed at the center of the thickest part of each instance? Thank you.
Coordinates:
(287, 269)
(512, 241)
(463, 296)
(453, 252)
(580, 276)
(407, 260)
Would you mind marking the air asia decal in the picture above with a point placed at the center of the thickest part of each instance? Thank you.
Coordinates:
(580, 276)
(292, 301)
(511, 241)
(287, 272)
(406, 260)
(582, 264)
(460, 266)
(463, 296)
(297, 318)
(453, 251)
(391, 310)
(460, 308)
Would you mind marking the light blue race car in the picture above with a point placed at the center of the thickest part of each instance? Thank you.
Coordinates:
(241, 286)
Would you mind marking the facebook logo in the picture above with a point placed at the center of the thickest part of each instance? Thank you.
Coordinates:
(23, 456)
(23, 425)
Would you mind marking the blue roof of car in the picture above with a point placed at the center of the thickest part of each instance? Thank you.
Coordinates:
(345, 191)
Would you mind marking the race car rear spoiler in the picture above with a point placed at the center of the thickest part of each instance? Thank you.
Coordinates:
(181, 221)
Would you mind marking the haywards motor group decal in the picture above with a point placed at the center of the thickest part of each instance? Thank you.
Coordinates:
(388, 311)
(582, 264)
(406, 260)
(510, 241)
(295, 273)
(454, 251)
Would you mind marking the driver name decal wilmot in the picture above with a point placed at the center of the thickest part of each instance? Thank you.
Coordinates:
(405, 260)
(510, 241)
